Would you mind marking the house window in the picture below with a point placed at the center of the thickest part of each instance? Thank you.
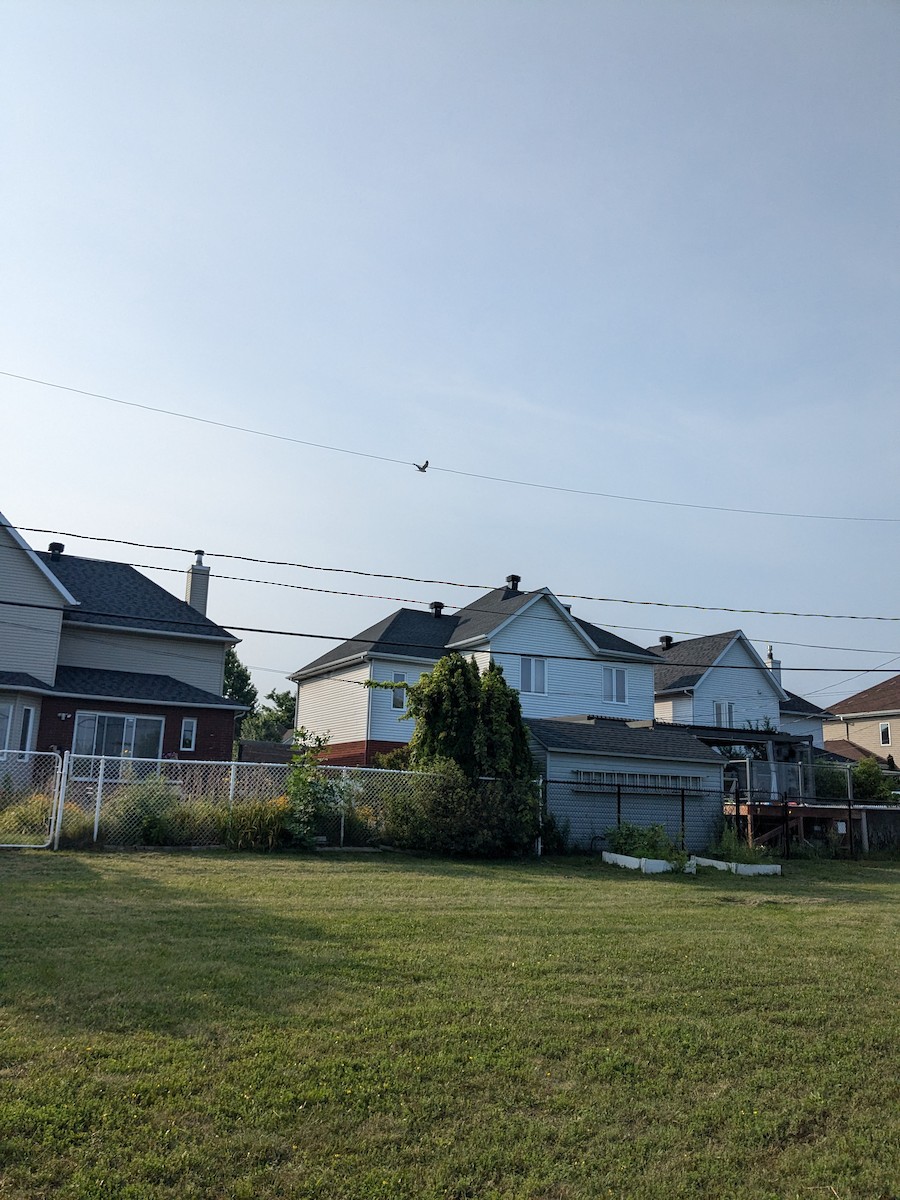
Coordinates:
(188, 734)
(5, 724)
(614, 685)
(725, 714)
(117, 736)
(26, 731)
(534, 676)
(885, 730)
(398, 695)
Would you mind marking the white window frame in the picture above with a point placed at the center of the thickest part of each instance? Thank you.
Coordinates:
(26, 729)
(884, 732)
(188, 734)
(92, 758)
(398, 695)
(9, 709)
(610, 675)
(728, 706)
(535, 667)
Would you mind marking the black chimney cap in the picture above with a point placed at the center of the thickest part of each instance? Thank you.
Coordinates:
(437, 607)
(514, 581)
(666, 641)
(56, 549)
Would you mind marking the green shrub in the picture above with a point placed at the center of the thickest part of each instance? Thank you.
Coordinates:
(442, 813)
(730, 847)
(641, 841)
(26, 819)
(255, 824)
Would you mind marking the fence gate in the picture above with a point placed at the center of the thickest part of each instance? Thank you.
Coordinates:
(30, 784)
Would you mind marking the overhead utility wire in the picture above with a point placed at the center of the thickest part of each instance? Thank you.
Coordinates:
(303, 587)
(367, 644)
(481, 587)
(526, 483)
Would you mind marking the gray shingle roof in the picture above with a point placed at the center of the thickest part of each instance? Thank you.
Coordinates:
(134, 685)
(14, 680)
(112, 593)
(410, 633)
(685, 663)
(607, 735)
(797, 706)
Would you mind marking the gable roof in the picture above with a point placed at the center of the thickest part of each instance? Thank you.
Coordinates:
(116, 594)
(411, 633)
(35, 559)
(687, 662)
(884, 697)
(610, 735)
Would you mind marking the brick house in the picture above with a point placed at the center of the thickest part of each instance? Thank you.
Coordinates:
(97, 658)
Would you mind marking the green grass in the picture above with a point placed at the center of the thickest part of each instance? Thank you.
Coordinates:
(213, 1025)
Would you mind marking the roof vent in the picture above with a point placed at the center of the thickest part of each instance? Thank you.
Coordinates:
(514, 581)
(666, 641)
(437, 607)
(56, 549)
(567, 607)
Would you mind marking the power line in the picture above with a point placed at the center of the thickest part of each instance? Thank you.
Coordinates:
(273, 562)
(366, 643)
(522, 483)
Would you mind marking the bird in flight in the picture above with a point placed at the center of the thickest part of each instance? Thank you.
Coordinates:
(423, 468)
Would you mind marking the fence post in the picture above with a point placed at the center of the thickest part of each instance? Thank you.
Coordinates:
(683, 819)
(61, 799)
(850, 823)
(618, 804)
(541, 803)
(231, 784)
(344, 800)
(785, 828)
(100, 775)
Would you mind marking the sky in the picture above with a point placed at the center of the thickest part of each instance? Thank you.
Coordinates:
(642, 249)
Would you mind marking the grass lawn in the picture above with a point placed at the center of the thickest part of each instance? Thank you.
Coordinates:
(213, 1025)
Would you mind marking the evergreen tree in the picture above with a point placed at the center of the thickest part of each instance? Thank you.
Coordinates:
(445, 706)
(501, 742)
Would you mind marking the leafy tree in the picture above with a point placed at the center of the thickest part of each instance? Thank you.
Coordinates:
(870, 783)
(271, 723)
(238, 684)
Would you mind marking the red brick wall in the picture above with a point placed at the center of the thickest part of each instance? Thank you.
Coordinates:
(215, 727)
(357, 754)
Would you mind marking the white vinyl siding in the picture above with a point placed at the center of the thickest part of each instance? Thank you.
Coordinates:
(29, 637)
(575, 674)
(387, 723)
(335, 705)
(751, 692)
(202, 665)
(805, 725)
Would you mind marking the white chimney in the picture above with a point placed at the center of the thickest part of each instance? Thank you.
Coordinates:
(774, 665)
(197, 590)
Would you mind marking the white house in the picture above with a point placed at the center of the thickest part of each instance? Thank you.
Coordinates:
(559, 663)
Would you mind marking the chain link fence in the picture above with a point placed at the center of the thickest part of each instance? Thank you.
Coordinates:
(29, 785)
(584, 813)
